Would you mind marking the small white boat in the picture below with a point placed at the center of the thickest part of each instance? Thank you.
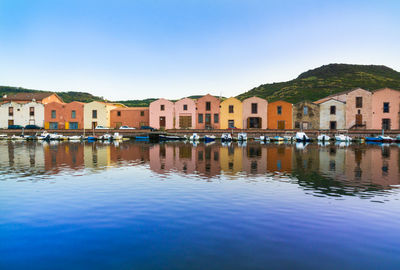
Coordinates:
(242, 136)
(106, 137)
(226, 137)
(323, 138)
(75, 138)
(302, 137)
(342, 138)
(117, 136)
(56, 137)
(194, 137)
(3, 137)
(17, 137)
(44, 136)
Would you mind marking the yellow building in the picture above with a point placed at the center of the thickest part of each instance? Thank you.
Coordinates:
(97, 113)
(231, 112)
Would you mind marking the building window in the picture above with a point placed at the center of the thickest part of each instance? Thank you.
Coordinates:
(185, 107)
(53, 114)
(230, 108)
(141, 113)
(208, 106)
(10, 111)
(73, 114)
(385, 107)
(94, 114)
(254, 107)
(162, 107)
(279, 110)
(231, 123)
(359, 102)
(305, 110)
(216, 118)
(296, 124)
(31, 111)
(332, 125)
(333, 109)
(200, 118)
(118, 113)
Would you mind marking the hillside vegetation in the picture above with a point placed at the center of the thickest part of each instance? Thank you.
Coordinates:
(310, 85)
(326, 80)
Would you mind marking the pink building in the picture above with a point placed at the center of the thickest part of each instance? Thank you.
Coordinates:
(358, 109)
(208, 112)
(185, 113)
(385, 109)
(162, 114)
(255, 112)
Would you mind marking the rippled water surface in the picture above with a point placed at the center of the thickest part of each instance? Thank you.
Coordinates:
(179, 206)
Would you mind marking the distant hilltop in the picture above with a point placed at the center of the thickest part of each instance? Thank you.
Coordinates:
(310, 85)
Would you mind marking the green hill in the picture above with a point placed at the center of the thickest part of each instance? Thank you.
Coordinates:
(66, 96)
(326, 80)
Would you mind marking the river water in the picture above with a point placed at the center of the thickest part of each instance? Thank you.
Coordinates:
(182, 206)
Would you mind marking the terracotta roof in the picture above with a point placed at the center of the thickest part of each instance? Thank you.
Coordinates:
(28, 96)
(334, 99)
(131, 109)
(319, 101)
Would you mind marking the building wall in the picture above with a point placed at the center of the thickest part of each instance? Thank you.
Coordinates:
(60, 114)
(78, 107)
(274, 117)
(156, 113)
(52, 98)
(237, 114)
(262, 111)
(326, 117)
(191, 111)
(378, 98)
(21, 114)
(131, 117)
(103, 114)
(309, 120)
(201, 109)
(365, 110)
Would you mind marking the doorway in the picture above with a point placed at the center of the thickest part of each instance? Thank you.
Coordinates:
(332, 125)
(94, 125)
(281, 124)
(162, 121)
(386, 124)
(254, 122)
(359, 119)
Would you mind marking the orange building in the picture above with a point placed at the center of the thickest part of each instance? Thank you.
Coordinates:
(280, 115)
(63, 115)
(132, 117)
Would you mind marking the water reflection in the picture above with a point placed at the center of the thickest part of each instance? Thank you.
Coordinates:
(329, 169)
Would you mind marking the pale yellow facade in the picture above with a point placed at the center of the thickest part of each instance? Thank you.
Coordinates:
(98, 114)
(231, 112)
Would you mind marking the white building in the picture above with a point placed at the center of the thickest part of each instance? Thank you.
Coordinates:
(16, 113)
(332, 114)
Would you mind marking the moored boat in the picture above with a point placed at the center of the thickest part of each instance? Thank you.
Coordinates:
(302, 137)
(342, 138)
(242, 136)
(226, 137)
(323, 138)
(209, 138)
(194, 137)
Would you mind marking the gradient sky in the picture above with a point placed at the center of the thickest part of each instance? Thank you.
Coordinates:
(147, 48)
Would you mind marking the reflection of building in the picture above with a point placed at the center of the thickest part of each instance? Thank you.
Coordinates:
(129, 152)
(255, 112)
(97, 155)
(207, 159)
(307, 159)
(57, 156)
(231, 159)
(255, 159)
(21, 156)
(332, 160)
(172, 157)
(279, 158)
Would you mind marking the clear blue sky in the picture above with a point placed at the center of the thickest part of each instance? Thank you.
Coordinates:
(146, 48)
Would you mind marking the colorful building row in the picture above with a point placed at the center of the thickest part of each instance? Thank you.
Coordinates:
(356, 108)
(47, 110)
